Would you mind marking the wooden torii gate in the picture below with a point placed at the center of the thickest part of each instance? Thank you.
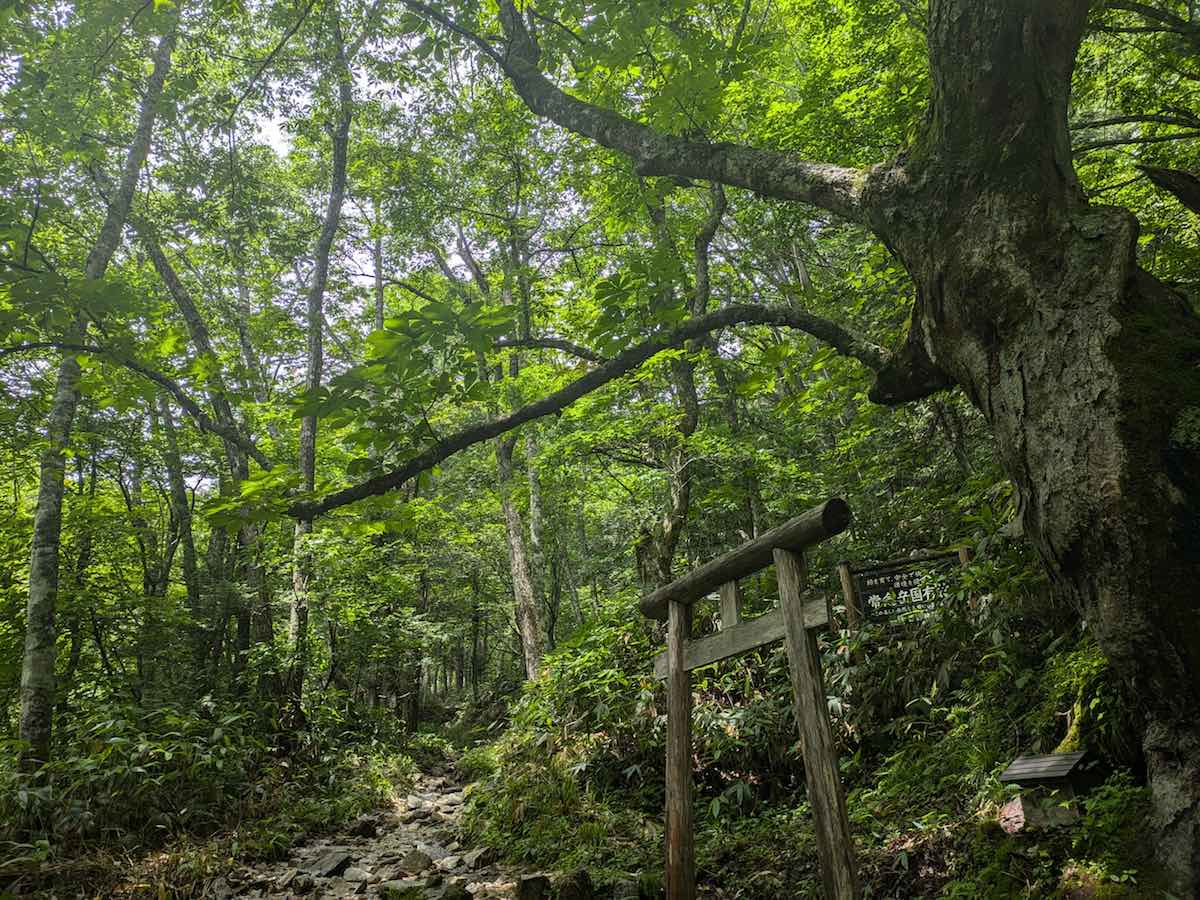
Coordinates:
(793, 620)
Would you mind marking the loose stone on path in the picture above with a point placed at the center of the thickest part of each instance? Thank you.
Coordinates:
(412, 853)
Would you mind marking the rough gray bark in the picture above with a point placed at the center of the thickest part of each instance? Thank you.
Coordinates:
(302, 564)
(528, 626)
(37, 668)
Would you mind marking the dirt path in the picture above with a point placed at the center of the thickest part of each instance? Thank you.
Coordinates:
(411, 852)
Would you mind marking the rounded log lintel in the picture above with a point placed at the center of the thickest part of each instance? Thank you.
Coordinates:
(818, 524)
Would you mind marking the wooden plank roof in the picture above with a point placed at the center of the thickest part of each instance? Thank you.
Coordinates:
(1032, 769)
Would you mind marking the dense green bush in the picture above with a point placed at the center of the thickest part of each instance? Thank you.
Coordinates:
(134, 771)
(926, 715)
(137, 776)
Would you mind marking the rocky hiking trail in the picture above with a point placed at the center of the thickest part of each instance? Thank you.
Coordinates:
(410, 852)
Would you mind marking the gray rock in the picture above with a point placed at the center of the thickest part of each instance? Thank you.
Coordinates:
(435, 851)
(575, 885)
(402, 889)
(286, 878)
(328, 864)
(449, 863)
(416, 861)
(455, 891)
(533, 887)
(355, 874)
(364, 827)
(479, 857)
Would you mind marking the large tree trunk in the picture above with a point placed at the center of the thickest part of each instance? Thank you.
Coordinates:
(37, 669)
(1086, 367)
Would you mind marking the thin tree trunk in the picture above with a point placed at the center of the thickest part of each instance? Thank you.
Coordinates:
(302, 564)
(37, 669)
(528, 626)
(537, 555)
(82, 560)
(250, 361)
(475, 627)
(377, 262)
(183, 508)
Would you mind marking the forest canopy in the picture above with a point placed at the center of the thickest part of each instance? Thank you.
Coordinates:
(363, 364)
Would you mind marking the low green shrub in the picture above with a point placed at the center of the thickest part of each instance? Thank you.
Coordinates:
(131, 778)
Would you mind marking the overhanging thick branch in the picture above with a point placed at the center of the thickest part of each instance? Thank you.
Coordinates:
(841, 339)
(203, 421)
(1183, 185)
(770, 173)
(1162, 20)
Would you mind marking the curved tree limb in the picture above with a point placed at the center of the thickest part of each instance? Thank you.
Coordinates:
(203, 421)
(552, 344)
(767, 172)
(270, 58)
(1185, 121)
(1161, 20)
(1183, 185)
(833, 334)
(1126, 141)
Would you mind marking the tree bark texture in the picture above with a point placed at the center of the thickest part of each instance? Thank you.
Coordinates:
(1086, 367)
(37, 668)
(528, 625)
(1031, 300)
(301, 555)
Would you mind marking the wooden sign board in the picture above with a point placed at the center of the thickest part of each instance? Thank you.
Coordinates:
(904, 589)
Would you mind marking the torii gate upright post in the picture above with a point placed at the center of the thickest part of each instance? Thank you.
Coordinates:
(793, 620)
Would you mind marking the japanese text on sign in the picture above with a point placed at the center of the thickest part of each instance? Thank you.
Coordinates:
(900, 593)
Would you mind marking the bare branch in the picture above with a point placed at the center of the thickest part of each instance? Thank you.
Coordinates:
(287, 36)
(1185, 121)
(413, 289)
(1163, 21)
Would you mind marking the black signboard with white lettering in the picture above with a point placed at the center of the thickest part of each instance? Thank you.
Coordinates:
(903, 590)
